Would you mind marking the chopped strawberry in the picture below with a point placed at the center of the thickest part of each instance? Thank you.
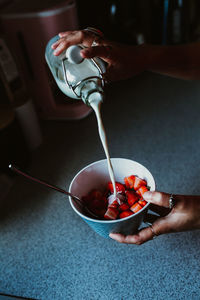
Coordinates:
(98, 207)
(114, 204)
(125, 214)
(127, 201)
(96, 194)
(96, 202)
(129, 181)
(119, 198)
(135, 207)
(139, 182)
(142, 202)
(120, 188)
(142, 190)
(132, 197)
(123, 207)
(111, 213)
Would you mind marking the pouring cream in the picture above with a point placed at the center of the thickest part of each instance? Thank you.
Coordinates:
(95, 101)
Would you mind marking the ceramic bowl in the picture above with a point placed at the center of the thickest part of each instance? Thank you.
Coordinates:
(96, 176)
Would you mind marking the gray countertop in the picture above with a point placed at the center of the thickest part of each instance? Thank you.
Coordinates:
(48, 252)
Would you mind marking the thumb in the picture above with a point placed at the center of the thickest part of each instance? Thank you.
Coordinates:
(158, 198)
(100, 51)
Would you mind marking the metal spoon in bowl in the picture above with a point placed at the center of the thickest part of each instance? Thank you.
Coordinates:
(75, 198)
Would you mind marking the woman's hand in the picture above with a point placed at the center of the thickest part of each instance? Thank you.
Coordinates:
(123, 61)
(184, 216)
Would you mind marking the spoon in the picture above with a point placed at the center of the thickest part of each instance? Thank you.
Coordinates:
(75, 198)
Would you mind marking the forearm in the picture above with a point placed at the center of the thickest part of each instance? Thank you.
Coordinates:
(181, 61)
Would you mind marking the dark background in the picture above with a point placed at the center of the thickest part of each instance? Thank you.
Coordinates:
(120, 20)
(41, 237)
(145, 16)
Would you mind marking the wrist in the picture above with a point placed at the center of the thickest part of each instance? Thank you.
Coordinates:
(148, 56)
(153, 55)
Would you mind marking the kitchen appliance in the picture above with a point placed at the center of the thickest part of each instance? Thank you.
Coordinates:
(27, 27)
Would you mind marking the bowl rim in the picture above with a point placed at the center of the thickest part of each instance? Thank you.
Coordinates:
(108, 221)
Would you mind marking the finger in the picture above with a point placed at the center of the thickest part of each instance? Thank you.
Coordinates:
(73, 38)
(64, 33)
(102, 51)
(141, 237)
(60, 47)
(54, 45)
(161, 199)
(83, 37)
(62, 36)
(63, 43)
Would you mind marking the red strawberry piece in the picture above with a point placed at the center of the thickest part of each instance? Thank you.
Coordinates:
(96, 194)
(97, 204)
(112, 199)
(111, 213)
(96, 207)
(125, 214)
(120, 188)
(135, 207)
(123, 207)
(129, 181)
(119, 198)
(142, 202)
(142, 190)
(139, 182)
(114, 204)
(132, 197)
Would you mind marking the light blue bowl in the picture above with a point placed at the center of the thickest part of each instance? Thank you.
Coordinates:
(96, 176)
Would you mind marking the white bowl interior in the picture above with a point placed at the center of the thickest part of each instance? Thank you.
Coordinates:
(96, 176)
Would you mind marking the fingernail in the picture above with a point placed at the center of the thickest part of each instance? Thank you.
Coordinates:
(111, 235)
(147, 196)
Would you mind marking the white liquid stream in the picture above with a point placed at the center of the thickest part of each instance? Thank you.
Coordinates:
(96, 105)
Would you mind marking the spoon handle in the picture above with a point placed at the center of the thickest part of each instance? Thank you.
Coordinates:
(17, 170)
